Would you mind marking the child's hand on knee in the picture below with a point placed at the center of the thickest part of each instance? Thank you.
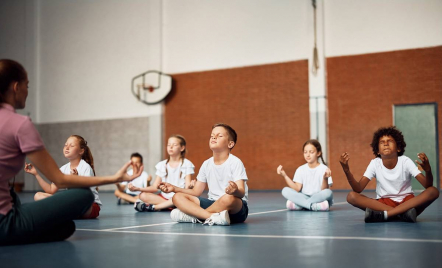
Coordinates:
(132, 188)
(231, 188)
(166, 187)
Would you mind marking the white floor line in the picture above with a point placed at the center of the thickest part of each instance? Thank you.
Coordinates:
(129, 227)
(385, 239)
(166, 223)
(264, 212)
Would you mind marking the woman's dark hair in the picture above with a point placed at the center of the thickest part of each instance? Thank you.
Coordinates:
(393, 132)
(10, 71)
(317, 145)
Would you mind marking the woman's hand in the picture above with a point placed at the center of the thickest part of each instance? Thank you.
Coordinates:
(122, 173)
(29, 168)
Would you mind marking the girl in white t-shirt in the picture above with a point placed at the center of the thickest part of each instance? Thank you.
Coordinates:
(310, 186)
(80, 163)
(176, 170)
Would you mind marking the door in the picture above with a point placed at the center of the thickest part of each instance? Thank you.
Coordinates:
(418, 123)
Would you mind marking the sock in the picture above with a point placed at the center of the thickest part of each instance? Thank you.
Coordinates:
(385, 215)
(153, 207)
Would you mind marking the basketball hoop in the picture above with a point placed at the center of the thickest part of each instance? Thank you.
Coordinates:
(145, 90)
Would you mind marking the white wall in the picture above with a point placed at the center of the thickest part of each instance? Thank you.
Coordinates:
(88, 53)
(360, 27)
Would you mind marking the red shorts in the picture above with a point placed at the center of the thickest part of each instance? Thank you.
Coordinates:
(392, 203)
(94, 213)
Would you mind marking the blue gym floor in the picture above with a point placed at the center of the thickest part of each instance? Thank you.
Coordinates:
(270, 237)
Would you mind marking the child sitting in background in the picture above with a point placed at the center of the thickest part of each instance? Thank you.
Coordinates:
(310, 186)
(123, 193)
(80, 163)
(176, 170)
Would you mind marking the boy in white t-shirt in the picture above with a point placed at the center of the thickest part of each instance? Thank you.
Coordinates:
(393, 172)
(123, 193)
(226, 178)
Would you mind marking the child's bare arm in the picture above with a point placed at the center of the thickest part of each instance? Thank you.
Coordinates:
(187, 183)
(427, 180)
(357, 186)
(294, 185)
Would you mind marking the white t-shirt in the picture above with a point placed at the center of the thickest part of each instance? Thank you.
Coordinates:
(83, 169)
(140, 182)
(173, 174)
(217, 177)
(392, 183)
(311, 178)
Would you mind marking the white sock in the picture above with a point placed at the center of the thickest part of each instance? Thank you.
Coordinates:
(385, 215)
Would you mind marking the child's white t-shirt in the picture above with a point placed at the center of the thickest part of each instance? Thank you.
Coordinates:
(217, 177)
(83, 169)
(173, 174)
(392, 183)
(311, 178)
(140, 182)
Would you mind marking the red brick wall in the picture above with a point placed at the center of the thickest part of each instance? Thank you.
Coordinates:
(267, 105)
(361, 92)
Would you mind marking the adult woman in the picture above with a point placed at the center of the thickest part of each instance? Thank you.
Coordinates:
(49, 219)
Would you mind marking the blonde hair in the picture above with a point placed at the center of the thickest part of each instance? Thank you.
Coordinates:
(183, 152)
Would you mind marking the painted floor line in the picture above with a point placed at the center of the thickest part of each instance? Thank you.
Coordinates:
(166, 223)
(385, 239)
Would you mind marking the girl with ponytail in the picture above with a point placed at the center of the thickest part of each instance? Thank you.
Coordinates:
(80, 163)
(309, 189)
(176, 170)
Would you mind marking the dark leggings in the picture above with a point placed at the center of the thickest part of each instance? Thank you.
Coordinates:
(47, 220)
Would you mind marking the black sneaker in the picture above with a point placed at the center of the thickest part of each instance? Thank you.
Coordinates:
(139, 206)
(143, 207)
(373, 215)
(409, 216)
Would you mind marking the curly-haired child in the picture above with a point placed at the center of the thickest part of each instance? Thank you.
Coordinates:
(393, 172)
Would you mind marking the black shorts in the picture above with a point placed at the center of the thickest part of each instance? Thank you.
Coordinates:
(238, 217)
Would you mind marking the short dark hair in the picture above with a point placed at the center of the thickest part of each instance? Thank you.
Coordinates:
(232, 133)
(391, 131)
(137, 155)
(10, 71)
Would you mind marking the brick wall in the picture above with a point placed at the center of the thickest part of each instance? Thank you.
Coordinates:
(361, 92)
(267, 105)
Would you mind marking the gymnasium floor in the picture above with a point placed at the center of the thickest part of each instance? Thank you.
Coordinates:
(271, 237)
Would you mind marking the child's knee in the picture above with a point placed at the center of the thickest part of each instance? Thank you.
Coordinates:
(352, 197)
(433, 192)
(286, 191)
(176, 198)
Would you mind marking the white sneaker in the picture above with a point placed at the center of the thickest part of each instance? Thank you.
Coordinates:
(292, 206)
(221, 218)
(179, 216)
(322, 206)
